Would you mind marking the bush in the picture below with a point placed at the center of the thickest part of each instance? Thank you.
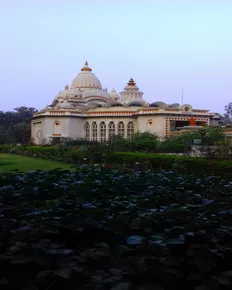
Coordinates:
(142, 142)
(217, 152)
(103, 154)
(170, 162)
(76, 142)
(4, 148)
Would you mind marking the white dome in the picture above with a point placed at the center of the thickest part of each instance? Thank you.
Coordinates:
(137, 103)
(66, 105)
(174, 106)
(114, 103)
(113, 95)
(86, 79)
(161, 105)
(93, 106)
(89, 93)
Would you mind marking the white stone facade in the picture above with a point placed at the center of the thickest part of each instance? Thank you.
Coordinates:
(85, 110)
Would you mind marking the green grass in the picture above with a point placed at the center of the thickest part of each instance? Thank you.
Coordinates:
(11, 162)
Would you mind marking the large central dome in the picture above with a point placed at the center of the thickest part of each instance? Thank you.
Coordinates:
(86, 79)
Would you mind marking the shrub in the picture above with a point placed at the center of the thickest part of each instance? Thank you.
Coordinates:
(166, 162)
(4, 148)
(143, 142)
(217, 152)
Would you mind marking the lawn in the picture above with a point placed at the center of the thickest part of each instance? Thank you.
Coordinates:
(11, 162)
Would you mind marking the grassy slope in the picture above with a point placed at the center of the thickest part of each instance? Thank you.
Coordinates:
(28, 163)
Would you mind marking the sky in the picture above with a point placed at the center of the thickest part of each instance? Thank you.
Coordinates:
(164, 45)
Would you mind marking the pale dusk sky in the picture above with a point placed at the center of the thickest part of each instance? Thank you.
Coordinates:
(164, 45)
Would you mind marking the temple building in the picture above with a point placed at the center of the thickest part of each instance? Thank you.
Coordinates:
(86, 110)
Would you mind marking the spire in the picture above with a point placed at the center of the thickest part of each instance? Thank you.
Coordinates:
(86, 67)
(131, 82)
(131, 93)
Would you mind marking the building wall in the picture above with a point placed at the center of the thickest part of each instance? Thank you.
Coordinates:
(76, 128)
(66, 125)
(55, 127)
(37, 131)
(152, 124)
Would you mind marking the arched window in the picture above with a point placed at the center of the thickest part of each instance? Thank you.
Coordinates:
(111, 129)
(87, 131)
(130, 129)
(121, 129)
(94, 131)
(102, 132)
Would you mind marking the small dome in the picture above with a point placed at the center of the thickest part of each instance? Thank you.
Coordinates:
(86, 79)
(59, 95)
(161, 105)
(113, 95)
(113, 104)
(66, 105)
(82, 108)
(174, 106)
(89, 93)
(93, 106)
(137, 103)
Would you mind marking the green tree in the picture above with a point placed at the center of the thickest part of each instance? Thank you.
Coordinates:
(15, 125)
(227, 117)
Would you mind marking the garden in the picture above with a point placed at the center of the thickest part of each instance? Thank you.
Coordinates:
(144, 151)
(119, 215)
(101, 228)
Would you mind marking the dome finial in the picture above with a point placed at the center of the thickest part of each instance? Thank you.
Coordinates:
(131, 82)
(86, 67)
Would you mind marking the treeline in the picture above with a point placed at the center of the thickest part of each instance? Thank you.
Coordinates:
(15, 125)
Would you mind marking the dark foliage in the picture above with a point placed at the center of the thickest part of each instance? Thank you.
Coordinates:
(15, 125)
(105, 229)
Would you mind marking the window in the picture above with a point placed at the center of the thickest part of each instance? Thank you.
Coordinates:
(111, 129)
(121, 129)
(102, 132)
(130, 129)
(87, 131)
(94, 131)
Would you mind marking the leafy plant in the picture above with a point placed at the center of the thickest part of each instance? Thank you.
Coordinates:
(99, 228)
